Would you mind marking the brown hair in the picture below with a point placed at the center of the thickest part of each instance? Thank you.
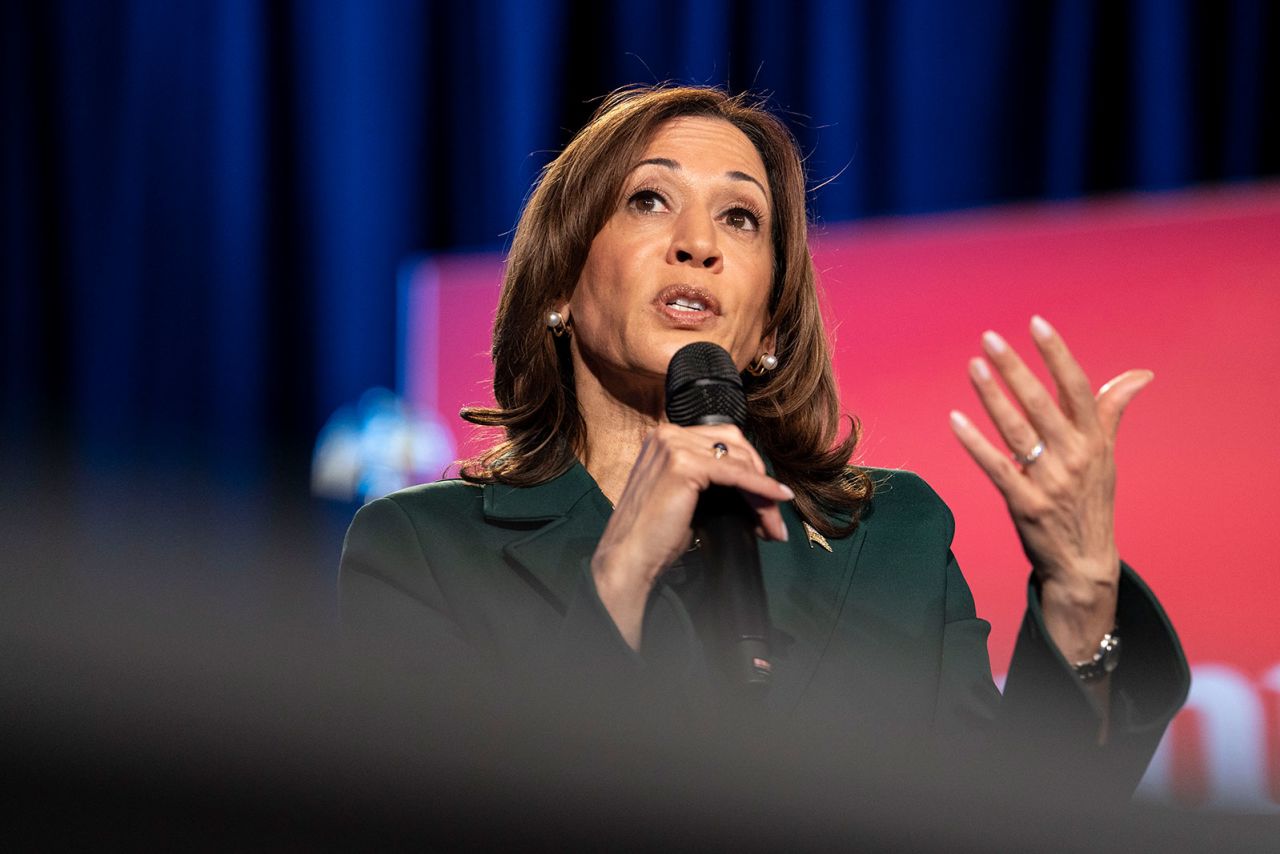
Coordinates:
(793, 413)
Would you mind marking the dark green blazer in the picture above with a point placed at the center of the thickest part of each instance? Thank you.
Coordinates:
(880, 633)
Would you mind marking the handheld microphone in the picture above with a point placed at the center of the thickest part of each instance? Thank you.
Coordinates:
(704, 387)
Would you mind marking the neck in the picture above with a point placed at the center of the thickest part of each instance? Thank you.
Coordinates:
(618, 413)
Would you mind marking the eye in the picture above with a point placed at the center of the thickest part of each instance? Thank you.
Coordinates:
(647, 202)
(742, 219)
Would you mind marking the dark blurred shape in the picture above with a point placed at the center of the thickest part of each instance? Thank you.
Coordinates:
(177, 681)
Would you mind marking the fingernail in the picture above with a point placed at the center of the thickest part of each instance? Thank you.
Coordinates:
(978, 370)
(786, 490)
(958, 420)
(993, 342)
(784, 536)
(1040, 328)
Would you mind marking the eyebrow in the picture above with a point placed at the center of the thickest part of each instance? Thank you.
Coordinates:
(733, 174)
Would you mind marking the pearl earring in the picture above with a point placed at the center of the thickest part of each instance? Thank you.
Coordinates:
(557, 324)
(764, 363)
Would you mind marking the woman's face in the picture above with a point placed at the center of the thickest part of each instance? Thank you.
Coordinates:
(686, 255)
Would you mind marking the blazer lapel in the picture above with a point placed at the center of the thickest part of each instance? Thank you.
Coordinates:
(568, 516)
(806, 588)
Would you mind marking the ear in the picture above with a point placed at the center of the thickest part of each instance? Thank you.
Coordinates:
(768, 343)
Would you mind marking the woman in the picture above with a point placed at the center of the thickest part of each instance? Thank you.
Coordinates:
(677, 215)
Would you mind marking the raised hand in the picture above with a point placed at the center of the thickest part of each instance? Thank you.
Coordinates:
(1059, 483)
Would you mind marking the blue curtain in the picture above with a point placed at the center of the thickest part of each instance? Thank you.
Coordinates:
(204, 203)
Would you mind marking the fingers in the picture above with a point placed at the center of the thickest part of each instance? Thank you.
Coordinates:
(1075, 395)
(1116, 394)
(1076, 411)
(772, 526)
(733, 439)
(1004, 473)
(761, 491)
(1039, 406)
(1074, 429)
(1013, 427)
(740, 475)
(741, 467)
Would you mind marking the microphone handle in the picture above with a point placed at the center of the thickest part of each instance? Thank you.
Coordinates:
(731, 555)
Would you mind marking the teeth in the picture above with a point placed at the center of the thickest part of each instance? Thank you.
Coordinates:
(687, 304)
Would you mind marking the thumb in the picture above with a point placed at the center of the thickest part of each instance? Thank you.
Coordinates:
(1116, 394)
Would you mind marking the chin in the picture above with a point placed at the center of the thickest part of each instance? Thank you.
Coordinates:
(677, 338)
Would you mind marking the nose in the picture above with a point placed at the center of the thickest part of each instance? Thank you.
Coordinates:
(694, 241)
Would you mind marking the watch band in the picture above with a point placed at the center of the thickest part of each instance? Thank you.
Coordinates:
(1104, 660)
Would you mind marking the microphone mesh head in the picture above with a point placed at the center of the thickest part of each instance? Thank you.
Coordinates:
(704, 387)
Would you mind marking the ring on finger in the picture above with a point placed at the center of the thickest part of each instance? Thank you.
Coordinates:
(1030, 457)
(720, 449)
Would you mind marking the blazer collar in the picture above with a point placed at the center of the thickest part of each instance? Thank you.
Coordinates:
(540, 503)
(574, 512)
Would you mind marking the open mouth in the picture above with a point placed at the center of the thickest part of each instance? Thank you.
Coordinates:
(682, 304)
(686, 304)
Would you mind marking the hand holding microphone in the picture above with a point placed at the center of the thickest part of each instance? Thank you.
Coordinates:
(652, 523)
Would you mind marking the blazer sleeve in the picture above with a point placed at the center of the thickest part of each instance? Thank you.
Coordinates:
(1147, 688)
(1045, 726)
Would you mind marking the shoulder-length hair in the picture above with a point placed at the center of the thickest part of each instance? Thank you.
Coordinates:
(793, 413)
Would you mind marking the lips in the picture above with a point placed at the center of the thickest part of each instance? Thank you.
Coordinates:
(686, 305)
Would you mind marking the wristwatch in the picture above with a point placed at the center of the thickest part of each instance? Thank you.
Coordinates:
(1103, 661)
